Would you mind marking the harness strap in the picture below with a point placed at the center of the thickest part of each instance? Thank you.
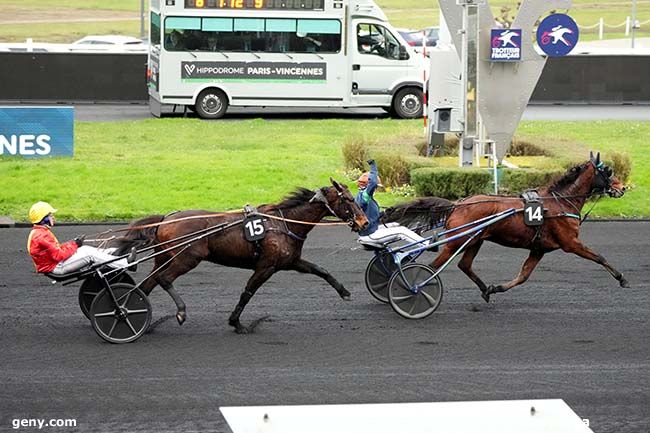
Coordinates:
(303, 222)
(589, 211)
(319, 196)
(289, 232)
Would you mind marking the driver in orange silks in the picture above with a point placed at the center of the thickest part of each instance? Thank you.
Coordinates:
(50, 256)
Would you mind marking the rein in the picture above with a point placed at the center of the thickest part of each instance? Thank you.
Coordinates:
(146, 226)
(317, 197)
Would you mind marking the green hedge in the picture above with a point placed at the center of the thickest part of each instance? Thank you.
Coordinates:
(517, 181)
(451, 183)
(457, 183)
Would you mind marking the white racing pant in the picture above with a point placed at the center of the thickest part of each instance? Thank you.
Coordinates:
(391, 233)
(86, 256)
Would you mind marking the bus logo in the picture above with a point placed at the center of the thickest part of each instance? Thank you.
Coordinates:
(189, 69)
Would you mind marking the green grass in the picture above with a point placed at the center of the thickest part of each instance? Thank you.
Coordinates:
(66, 32)
(123, 170)
(414, 14)
(127, 169)
(115, 5)
(606, 136)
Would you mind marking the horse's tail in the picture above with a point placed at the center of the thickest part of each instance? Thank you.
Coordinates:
(421, 214)
(141, 235)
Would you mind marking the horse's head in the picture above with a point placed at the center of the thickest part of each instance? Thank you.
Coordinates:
(604, 180)
(340, 203)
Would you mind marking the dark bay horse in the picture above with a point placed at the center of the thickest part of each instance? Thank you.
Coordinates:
(279, 250)
(562, 201)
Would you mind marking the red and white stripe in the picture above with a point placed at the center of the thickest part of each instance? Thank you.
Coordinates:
(425, 109)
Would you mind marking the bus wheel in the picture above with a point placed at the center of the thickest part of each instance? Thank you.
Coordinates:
(407, 103)
(211, 104)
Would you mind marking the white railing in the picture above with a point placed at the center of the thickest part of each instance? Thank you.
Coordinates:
(601, 25)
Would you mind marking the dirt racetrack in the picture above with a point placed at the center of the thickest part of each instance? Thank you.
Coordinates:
(570, 332)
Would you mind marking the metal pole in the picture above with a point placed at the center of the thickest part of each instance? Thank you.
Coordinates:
(633, 21)
(142, 19)
(470, 81)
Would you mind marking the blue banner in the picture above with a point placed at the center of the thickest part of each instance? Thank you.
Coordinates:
(36, 132)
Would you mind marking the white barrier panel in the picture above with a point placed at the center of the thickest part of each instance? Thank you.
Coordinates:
(518, 416)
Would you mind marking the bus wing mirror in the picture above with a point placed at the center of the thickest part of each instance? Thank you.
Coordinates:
(403, 54)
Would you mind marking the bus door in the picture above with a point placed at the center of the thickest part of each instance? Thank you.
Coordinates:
(378, 62)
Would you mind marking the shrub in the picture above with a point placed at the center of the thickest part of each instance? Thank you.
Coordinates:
(451, 183)
(526, 148)
(621, 163)
(518, 180)
(459, 183)
(422, 148)
(394, 170)
(355, 153)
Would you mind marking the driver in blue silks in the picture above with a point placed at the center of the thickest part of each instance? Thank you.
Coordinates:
(376, 233)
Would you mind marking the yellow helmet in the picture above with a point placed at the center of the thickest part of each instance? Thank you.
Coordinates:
(40, 210)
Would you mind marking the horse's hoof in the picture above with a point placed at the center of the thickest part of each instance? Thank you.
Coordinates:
(624, 283)
(241, 330)
(181, 316)
(486, 297)
(345, 295)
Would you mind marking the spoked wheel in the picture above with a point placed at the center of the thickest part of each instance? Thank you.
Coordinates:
(125, 323)
(93, 285)
(418, 296)
(378, 273)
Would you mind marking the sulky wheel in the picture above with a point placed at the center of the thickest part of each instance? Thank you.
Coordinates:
(93, 285)
(419, 296)
(378, 274)
(125, 323)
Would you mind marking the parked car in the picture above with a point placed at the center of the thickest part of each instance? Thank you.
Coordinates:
(109, 43)
(432, 34)
(412, 37)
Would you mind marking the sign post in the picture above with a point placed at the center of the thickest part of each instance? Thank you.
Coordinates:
(500, 69)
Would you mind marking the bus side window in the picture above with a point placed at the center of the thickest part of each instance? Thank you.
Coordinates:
(174, 41)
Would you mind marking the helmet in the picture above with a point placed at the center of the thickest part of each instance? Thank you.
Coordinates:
(362, 182)
(40, 210)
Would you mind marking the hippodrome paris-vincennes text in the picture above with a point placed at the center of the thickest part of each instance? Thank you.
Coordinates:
(251, 70)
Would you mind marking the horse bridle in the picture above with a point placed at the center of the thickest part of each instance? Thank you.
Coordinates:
(603, 182)
(319, 196)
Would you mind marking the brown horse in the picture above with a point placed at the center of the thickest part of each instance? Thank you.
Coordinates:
(279, 250)
(562, 201)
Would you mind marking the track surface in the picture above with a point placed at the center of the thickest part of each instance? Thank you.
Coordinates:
(569, 333)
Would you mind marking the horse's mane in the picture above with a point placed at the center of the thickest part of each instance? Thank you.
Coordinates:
(567, 178)
(298, 197)
(421, 214)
